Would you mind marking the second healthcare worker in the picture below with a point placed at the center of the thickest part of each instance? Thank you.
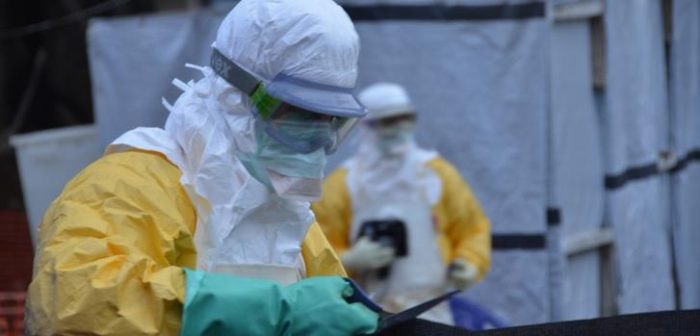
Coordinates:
(391, 182)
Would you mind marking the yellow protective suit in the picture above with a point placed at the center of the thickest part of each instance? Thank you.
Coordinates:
(462, 230)
(112, 248)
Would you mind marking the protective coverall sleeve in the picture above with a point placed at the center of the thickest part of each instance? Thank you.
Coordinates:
(334, 210)
(463, 223)
(319, 257)
(111, 251)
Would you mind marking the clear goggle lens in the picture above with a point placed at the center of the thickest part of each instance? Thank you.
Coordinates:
(299, 129)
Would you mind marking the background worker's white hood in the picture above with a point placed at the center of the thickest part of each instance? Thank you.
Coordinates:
(371, 172)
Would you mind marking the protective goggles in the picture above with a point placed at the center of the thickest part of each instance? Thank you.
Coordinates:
(302, 115)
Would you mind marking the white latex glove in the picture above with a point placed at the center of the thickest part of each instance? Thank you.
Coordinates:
(367, 255)
(462, 274)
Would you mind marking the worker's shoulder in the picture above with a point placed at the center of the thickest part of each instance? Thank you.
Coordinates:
(335, 184)
(338, 175)
(138, 167)
(135, 158)
(442, 167)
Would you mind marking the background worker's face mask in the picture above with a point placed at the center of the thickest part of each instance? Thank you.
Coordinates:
(397, 138)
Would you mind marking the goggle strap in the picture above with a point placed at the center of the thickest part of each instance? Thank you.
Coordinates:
(232, 73)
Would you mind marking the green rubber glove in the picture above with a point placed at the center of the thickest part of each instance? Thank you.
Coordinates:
(219, 304)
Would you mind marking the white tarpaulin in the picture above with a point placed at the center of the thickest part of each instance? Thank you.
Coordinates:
(636, 126)
(480, 92)
(577, 157)
(685, 88)
(133, 61)
(480, 88)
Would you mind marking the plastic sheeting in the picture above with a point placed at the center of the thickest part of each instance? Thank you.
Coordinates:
(685, 99)
(133, 61)
(480, 88)
(636, 130)
(577, 158)
(481, 95)
(480, 92)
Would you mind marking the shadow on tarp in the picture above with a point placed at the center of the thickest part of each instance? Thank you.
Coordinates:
(677, 323)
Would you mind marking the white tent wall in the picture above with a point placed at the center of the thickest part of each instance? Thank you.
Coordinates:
(577, 156)
(474, 85)
(685, 99)
(636, 130)
(481, 95)
(133, 61)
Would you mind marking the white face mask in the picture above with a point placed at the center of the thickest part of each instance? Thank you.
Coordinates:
(296, 188)
(290, 175)
(397, 138)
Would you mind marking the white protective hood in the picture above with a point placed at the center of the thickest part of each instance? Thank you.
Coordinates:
(239, 221)
(372, 172)
(386, 100)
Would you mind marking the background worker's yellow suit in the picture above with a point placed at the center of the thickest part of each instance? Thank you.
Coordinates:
(113, 247)
(462, 230)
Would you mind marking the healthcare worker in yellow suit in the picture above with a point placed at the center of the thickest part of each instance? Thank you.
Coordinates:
(205, 227)
(392, 178)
